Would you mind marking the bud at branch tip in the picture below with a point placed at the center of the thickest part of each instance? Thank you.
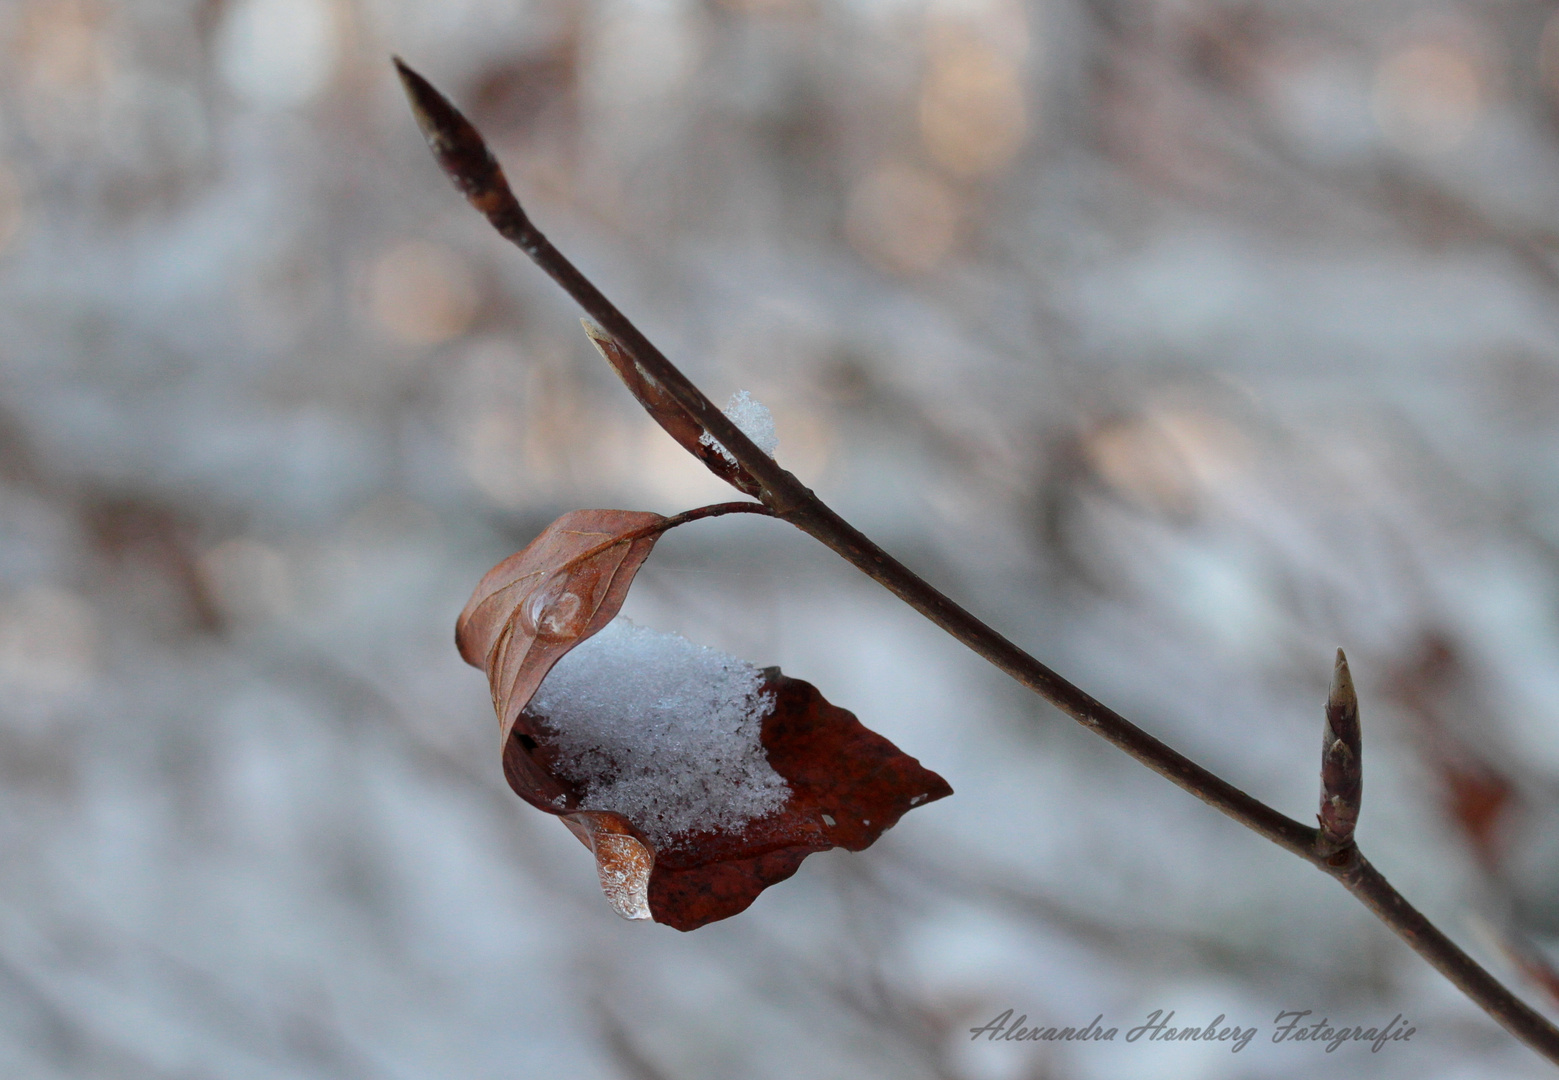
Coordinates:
(463, 154)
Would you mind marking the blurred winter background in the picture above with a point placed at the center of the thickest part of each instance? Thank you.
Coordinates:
(1184, 340)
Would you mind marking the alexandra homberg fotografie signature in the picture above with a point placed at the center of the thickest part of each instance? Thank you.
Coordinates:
(1290, 1026)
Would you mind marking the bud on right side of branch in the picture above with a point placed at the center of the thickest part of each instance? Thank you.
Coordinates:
(1342, 767)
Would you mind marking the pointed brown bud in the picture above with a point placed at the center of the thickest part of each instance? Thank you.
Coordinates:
(663, 408)
(463, 155)
(1342, 769)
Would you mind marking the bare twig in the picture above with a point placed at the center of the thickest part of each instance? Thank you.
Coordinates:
(665, 525)
(465, 157)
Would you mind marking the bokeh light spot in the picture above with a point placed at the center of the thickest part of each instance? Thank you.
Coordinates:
(278, 52)
(973, 118)
(422, 294)
(251, 581)
(902, 220)
(1428, 97)
(48, 639)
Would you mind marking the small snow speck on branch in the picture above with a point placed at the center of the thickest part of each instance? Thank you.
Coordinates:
(755, 421)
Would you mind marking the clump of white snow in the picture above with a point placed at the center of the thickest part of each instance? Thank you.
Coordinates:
(753, 419)
(662, 731)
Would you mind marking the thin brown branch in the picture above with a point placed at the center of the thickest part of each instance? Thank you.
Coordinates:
(1372, 889)
(465, 157)
(699, 513)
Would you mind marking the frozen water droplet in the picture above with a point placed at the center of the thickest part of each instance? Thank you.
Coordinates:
(554, 611)
(624, 866)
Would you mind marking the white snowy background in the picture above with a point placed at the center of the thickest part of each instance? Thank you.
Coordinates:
(1183, 340)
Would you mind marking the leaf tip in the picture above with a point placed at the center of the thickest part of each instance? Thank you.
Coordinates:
(607, 346)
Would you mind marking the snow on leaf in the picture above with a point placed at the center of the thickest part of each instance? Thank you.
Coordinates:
(668, 733)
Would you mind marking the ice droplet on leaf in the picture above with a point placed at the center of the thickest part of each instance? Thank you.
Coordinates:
(554, 611)
(624, 866)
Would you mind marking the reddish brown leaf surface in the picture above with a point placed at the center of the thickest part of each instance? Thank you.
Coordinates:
(665, 411)
(847, 783)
